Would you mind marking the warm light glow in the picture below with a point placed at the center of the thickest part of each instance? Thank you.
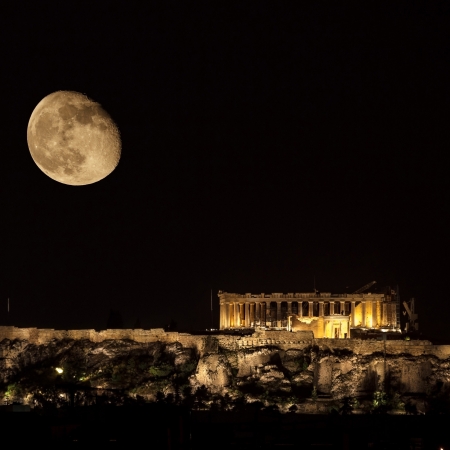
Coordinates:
(72, 139)
(59, 370)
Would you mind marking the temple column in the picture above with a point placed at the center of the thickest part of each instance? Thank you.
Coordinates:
(300, 309)
(320, 309)
(241, 314)
(230, 308)
(289, 308)
(331, 308)
(369, 313)
(252, 314)
(343, 307)
(224, 310)
(278, 314)
(258, 313)
(353, 313)
(263, 314)
(363, 305)
(378, 314)
(221, 324)
(310, 309)
(247, 314)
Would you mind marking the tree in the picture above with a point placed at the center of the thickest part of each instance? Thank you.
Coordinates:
(347, 406)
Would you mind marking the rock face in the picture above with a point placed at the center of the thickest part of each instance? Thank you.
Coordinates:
(282, 369)
(213, 371)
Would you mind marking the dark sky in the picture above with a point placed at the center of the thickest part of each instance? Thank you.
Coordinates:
(263, 146)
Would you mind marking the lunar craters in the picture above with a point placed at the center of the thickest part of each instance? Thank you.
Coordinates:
(72, 139)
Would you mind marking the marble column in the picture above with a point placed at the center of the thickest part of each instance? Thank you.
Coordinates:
(278, 314)
(393, 314)
(252, 315)
(331, 308)
(343, 307)
(300, 309)
(310, 309)
(353, 314)
(247, 314)
(289, 308)
(369, 314)
(258, 313)
(263, 314)
(320, 309)
(241, 314)
(363, 304)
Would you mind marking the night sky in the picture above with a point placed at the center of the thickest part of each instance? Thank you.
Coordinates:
(263, 146)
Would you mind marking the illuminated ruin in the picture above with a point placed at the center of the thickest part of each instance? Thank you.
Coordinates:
(327, 315)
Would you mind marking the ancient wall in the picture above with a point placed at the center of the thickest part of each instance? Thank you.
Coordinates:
(398, 347)
(281, 339)
(337, 363)
(231, 342)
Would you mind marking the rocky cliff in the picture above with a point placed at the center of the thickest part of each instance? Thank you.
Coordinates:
(288, 371)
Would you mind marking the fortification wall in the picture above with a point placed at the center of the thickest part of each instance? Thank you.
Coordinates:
(42, 335)
(412, 363)
(400, 347)
(282, 339)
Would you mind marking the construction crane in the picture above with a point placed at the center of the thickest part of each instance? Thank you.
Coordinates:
(364, 288)
(409, 309)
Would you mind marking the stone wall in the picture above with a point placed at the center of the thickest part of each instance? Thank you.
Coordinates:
(230, 342)
(338, 364)
(282, 339)
(400, 347)
(43, 335)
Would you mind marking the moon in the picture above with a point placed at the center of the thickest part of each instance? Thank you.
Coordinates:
(72, 139)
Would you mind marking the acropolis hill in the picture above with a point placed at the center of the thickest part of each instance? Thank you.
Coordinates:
(275, 348)
(287, 366)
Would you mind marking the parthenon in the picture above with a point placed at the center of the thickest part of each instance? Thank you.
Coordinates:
(327, 315)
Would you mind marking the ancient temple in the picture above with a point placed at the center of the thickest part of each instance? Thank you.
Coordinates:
(327, 315)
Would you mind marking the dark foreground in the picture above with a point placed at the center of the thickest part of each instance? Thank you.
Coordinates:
(163, 427)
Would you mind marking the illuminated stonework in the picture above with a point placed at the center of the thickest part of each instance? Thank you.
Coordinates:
(326, 315)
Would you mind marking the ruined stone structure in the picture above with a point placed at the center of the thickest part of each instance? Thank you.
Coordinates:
(340, 367)
(273, 360)
(326, 315)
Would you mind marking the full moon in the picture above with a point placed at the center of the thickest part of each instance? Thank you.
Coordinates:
(72, 139)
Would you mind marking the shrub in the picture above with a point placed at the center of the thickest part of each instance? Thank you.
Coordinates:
(188, 368)
(160, 371)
